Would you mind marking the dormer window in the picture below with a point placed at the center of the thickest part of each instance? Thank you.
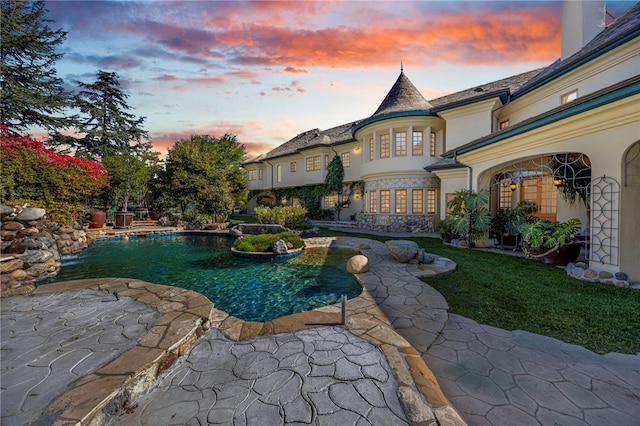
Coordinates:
(503, 124)
(568, 97)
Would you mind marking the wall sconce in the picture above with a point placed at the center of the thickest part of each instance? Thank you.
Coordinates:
(356, 149)
(356, 196)
(513, 186)
(558, 181)
(284, 200)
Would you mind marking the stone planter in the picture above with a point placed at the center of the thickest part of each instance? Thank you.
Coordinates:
(123, 219)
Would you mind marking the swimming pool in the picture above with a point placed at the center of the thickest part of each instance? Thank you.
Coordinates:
(251, 290)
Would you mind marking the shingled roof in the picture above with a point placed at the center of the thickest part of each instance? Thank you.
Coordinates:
(310, 139)
(619, 31)
(506, 85)
(402, 97)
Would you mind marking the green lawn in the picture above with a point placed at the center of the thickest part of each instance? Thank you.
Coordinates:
(514, 293)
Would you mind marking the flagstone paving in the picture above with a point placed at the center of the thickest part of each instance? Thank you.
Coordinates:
(162, 355)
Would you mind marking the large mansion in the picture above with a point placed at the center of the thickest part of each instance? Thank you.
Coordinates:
(575, 123)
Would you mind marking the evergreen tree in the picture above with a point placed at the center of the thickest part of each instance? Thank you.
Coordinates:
(32, 94)
(108, 127)
(333, 181)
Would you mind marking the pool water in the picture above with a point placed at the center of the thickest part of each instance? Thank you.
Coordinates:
(252, 290)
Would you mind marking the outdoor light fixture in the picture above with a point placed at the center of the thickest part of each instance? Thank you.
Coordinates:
(513, 186)
(557, 182)
(356, 149)
(357, 196)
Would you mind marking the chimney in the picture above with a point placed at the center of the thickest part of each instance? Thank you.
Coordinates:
(582, 20)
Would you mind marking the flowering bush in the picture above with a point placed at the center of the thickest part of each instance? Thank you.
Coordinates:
(290, 216)
(35, 175)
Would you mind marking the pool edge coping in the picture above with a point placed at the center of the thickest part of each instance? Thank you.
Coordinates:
(100, 395)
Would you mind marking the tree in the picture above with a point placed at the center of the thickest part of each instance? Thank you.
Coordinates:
(333, 181)
(108, 127)
(129, 175)
(32, 174)
(204, 172)
(32, 94)
(470, 214)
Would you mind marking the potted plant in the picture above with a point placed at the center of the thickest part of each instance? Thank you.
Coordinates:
(470, 214)
(554, 242)
(505, 226)
(445, 228)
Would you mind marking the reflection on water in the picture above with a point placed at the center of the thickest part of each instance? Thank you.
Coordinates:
(248, 289)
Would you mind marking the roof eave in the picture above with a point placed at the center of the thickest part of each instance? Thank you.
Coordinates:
(502, 94)
(619, 91)
(388, 116)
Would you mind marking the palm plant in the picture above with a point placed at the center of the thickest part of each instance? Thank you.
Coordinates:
(470, 214)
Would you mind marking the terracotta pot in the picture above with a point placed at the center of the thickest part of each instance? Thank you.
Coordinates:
(97, 218)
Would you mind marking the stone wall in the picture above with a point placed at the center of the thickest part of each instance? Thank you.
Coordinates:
(30, 248)
(395, 222)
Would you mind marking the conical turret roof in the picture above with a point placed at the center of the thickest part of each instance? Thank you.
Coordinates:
(402, 97)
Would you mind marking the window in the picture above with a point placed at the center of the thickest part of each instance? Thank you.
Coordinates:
(401, 143)
(384, 146)
(401, 201)
(259, 174)
(541, 190)
(251, 174)
(432, 144)
(330, 201)
(416, 146)
(385, 201)
(568, 97)
(503, 124)
(373, 202)
(431, 201)
(326, 162)
(417, 201)
(313, 163)
(506, 194)
(346, 159)
(279, 173)
(292, 167)
(371, 149)
(449, 197)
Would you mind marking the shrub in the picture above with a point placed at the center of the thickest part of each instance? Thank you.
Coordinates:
(35, 175)
(263, 242)
(289, 216)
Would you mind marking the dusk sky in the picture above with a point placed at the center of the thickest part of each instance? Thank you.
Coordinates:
(267, 71)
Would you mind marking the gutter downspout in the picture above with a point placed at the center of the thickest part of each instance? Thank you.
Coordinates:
(470, 187)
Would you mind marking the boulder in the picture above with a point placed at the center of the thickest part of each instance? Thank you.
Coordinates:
(6, 210)
(621, 276)
(358, 264)
(279, 247)
(235, 231)
(30, 214)
(425, 258)
(401, 250)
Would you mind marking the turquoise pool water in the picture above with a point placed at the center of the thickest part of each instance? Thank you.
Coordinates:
(250, 290)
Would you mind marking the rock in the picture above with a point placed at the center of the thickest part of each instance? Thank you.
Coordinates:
(279, 247)
(235, 231)
(11, 265)
(12, 226)
(590, 273)
(30, 214)
(19, 274)
(6, 211)
(424, 257)
(16, 247)
(401, 250)
(289, 245)
(310, 232)
(621, 276)
(605, 275)
(581, 265)
(358, 264)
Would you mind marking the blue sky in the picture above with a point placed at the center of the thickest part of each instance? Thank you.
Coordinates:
(266, 71)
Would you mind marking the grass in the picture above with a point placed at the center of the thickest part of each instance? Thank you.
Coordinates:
(514, 293)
